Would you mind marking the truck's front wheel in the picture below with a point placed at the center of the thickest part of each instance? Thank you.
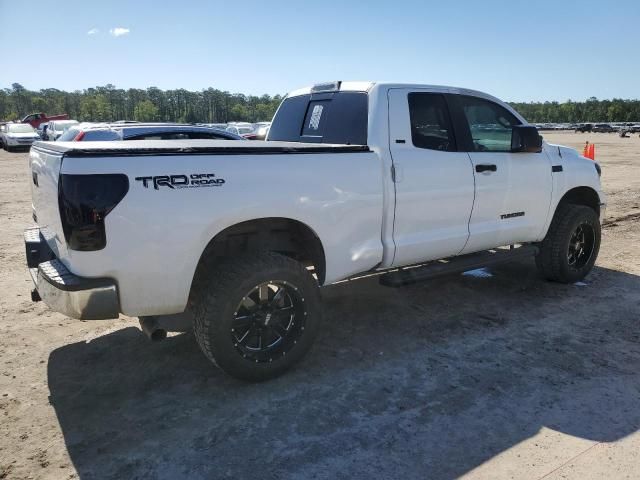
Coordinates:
(569, 251)
(256, 315)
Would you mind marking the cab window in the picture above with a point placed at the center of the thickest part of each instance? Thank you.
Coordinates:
(430, 122)
(490, 124)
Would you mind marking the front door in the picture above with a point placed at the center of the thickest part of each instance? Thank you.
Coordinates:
(433, 181)
(512, 190)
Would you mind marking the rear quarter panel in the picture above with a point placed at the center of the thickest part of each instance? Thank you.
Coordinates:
(155, 236)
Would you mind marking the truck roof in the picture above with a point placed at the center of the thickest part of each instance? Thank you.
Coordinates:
(176, 147)
(363, 86)
(368, 87)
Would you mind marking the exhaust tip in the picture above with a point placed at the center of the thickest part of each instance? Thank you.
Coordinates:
(158, 334)
(152, 330)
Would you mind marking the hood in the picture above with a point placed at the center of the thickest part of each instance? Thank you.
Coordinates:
(564, 152)
(23, 135)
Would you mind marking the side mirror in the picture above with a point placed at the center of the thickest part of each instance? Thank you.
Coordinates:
(525, 138)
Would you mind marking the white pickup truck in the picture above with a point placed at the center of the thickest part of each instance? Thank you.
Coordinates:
(407, 181)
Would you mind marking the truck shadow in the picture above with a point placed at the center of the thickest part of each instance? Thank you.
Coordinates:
(428, 381)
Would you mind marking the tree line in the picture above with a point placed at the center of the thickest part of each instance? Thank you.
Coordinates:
(109, 103)
(592, 110)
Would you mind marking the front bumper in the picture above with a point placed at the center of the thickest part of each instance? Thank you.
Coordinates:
(18, 142)
(64, 292)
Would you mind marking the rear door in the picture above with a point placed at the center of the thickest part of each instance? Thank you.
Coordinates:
(512, 190)
(433, 181)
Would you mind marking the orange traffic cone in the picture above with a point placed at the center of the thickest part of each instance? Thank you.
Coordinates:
(592, 151)
(585, 150)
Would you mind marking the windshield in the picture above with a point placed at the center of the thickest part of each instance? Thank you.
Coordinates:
(20, 128)
(64, 125)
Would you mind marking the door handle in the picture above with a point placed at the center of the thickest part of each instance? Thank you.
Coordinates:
(486, 168)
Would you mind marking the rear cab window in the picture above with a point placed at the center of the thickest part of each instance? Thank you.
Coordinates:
(335, 117)
(430, 122)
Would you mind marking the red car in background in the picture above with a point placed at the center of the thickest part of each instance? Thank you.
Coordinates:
(35, 119)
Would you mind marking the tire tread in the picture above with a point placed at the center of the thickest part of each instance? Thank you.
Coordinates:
(551, 257)
(214, 285)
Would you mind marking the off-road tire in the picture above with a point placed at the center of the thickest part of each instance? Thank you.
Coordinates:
(552, 261)
(219, 288)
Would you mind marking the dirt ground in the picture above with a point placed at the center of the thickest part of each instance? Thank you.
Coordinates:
(500, 377)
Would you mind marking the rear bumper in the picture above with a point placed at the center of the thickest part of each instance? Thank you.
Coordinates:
(64, 292)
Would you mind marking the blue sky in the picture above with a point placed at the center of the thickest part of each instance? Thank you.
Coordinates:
(516, 50)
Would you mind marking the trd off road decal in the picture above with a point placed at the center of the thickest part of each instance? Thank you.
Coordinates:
(195, 180)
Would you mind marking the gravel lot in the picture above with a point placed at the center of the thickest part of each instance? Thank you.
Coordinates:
(501, 377)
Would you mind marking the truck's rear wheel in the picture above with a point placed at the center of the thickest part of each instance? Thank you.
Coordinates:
(256, 315)
(569, 251)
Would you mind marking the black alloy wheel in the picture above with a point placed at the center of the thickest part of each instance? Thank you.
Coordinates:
(268, 321)
(581, 246)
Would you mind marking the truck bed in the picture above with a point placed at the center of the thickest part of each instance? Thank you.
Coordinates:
(156, 233)
(203, 147)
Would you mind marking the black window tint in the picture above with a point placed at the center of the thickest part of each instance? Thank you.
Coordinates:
(175, 136)
(340, 117)
(430, 122)
(160, 136)
(490, 124)
(207, 136)
(287, 122)
(146, 137)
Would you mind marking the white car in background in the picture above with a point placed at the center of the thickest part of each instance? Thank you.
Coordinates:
(262, 130)
(57, 128)
(245, 130)
(16, 135)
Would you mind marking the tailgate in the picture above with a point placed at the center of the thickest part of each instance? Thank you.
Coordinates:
(45, 171)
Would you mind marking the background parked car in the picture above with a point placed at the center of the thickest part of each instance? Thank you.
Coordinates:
(57, 128)
(603, 128)
(261, 130)
(42, 130)
(584, 127)
(246, 130)
(16, 135)
(144, 131)
(35, 119)
(219, 126)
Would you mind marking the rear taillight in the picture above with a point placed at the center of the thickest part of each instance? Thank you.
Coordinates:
(84, 202)
(78, 137)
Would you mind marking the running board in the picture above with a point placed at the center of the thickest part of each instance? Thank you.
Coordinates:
(463, 263)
